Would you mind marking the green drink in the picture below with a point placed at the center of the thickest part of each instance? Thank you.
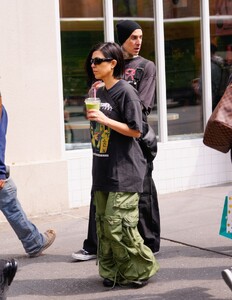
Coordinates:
(92, 103)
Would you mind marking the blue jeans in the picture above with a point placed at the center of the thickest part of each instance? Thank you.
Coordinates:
(27, 232)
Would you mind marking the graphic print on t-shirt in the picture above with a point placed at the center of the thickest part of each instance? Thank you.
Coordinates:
(129, 74)
(100, 134)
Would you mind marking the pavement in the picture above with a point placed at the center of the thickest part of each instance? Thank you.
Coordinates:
(191, 257)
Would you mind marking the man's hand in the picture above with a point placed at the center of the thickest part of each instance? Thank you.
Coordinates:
(2, 183)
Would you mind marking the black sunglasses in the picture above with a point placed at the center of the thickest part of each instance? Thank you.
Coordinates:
(98, 60)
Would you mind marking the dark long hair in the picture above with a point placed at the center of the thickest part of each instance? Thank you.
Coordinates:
(108, 49)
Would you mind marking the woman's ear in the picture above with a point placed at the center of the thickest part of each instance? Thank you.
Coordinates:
(113, 63)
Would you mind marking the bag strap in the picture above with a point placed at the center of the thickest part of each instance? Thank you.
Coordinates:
(136, 82)
(139, 73)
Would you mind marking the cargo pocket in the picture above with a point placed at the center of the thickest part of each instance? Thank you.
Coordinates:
(131, 220)
(113, 228)
(126, 200)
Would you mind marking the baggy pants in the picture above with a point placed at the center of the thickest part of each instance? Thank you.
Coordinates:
(123, 257)
(149, 218)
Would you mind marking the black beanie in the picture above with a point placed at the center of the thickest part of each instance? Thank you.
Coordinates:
(125, 29)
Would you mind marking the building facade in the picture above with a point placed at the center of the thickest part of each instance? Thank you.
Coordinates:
(43, 85)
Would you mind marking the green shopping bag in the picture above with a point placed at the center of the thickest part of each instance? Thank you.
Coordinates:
(225, 228)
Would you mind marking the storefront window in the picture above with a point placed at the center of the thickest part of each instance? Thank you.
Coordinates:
(81, 9)
(133, 8)
(81, 28)
(140, 11)
(221, 46)
(183, 66)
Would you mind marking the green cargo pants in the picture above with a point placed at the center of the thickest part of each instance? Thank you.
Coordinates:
(123, 257)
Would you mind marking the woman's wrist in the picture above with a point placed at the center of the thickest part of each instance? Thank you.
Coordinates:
(107, 121)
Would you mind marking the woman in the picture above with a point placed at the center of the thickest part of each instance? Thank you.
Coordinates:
(118, 171)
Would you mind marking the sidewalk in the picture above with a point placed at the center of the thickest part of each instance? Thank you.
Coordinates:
(191, 259)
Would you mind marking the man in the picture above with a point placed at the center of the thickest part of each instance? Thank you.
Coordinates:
(130, 38)
(216, 76)
(219, 77)
(33, 241)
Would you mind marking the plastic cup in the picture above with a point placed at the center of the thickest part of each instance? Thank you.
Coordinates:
(92, 103)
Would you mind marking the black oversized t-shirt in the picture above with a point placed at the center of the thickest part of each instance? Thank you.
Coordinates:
(147, 85)
(118, 162)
